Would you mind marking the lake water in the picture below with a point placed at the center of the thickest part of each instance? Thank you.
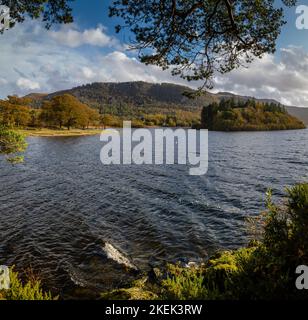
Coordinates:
(59, 208)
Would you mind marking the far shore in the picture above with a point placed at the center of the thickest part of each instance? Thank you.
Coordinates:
(44, 132)
(47, 132)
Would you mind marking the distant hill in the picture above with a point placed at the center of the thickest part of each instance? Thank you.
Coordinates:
(131, 98)
(36, 96)
(138, 94)
(300, 113)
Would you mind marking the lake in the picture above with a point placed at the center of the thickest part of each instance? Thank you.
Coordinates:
(61, 205)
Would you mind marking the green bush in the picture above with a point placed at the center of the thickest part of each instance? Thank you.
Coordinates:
(183, 284)
(11, 143)
(30, 290)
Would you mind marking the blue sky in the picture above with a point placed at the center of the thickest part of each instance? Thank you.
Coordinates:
(90, 15)
(290, 34)
(34, 59)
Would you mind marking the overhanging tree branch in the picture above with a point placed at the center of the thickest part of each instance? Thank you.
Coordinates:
(198, 38)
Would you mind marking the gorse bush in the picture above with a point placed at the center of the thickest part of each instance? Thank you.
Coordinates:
(30, 290)
(183, 284)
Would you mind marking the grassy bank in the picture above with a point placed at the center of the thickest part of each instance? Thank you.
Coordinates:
(44, 132)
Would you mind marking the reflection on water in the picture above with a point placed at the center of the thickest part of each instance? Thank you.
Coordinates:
(61, 206)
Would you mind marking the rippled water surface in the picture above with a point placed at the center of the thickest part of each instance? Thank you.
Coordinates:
(59, 208)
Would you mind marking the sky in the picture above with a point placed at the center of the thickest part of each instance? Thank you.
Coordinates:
(33, 59)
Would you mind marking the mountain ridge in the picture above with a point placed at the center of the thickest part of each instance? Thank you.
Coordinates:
(151, 97)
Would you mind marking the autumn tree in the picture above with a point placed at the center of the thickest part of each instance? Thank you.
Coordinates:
(66, 110)
(93, 117)
(15, 111)
(34, 118)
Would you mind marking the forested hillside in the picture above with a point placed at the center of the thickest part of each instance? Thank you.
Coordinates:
(137, 99)
(129, 96)
(247, 116)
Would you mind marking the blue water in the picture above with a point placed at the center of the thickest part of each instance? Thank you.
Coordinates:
(61, 205)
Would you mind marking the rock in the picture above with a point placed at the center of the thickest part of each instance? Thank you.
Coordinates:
(4, 278)
(115, 255)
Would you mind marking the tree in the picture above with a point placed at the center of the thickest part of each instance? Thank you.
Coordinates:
(197, 38)
(60, 111)
(14, 111)
(35, 118)
(52, 11)
(66, 110)
(93, 117)
(208, 116)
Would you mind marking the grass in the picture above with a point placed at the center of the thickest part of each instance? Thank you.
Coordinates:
(45, 132)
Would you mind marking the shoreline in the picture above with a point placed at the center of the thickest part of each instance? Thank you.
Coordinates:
(59, 133)
(91, 132)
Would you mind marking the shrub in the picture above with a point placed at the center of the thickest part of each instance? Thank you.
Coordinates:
(11, 143)
(183, 284)
(30, 290)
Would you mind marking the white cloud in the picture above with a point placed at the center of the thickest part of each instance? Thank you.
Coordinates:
(284, 79)
(118, 67)
(33, 59)
(3, 81)
(72, 37)
(88, 73)
(27, 84)
(30, 52)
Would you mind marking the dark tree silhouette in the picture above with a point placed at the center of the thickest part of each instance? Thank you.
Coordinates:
(197, 38)
(51, 11)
